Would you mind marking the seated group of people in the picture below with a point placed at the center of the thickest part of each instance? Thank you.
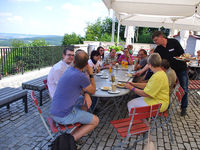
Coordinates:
(71, 81)
(98, 62)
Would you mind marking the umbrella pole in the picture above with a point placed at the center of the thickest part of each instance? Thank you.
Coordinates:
(118, 29)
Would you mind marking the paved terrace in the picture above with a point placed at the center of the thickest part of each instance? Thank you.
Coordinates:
(26, 131)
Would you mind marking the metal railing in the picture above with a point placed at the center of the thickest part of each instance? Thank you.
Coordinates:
(20, 60)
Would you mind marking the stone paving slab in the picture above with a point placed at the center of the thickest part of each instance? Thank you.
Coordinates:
(25, 131)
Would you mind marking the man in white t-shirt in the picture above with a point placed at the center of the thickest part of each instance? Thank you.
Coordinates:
(58, 69)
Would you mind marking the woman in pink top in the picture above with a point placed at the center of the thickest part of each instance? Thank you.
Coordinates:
(126, 57)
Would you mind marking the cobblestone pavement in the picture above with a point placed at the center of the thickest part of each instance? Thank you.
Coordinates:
(25, 131)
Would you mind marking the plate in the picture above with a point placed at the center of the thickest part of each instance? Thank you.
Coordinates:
(129, 75)
(121, 85)
(105, 88)
(104, 77)
(124, 68)
(123, 80)
(112, 92)
(99, 74)
(185, 59)
(116, 68)
(180, 58)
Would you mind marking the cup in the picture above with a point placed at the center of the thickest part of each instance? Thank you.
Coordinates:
(122, 64)
(125, 64)
(104, 74)
(114, 87)
(117, 65)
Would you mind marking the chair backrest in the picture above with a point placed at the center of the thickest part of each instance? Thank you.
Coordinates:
(194, 85)
(40, 112)
(180, 93)
(176, 98)
(45, 83)
(35, 102)
(144, 112)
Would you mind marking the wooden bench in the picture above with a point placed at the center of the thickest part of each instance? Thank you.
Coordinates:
(9, 95)
(36, 85)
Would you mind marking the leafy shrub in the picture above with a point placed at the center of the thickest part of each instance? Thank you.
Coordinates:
(116, 48)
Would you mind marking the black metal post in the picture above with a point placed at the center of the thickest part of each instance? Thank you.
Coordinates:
(39, 57)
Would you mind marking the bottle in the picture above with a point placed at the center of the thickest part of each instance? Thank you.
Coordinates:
(113, 78)
(110, 69)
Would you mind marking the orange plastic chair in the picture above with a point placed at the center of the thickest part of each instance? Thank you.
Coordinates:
(134, 125)
(54, 127)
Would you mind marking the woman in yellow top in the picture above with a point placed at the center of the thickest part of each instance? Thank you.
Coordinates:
(155, 91)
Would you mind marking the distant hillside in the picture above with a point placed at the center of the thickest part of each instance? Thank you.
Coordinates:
(6, 38)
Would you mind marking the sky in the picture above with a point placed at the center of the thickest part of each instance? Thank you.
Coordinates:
(49, 17)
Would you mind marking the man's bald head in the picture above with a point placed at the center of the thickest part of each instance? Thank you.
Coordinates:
(81, 59)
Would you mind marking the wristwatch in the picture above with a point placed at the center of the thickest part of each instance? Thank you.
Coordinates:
(91, 76)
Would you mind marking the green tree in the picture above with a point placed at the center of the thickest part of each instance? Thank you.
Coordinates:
(72, 39)
(94, 31)
(38, 43)
(18, 43)
(101, 30)
(35, 43)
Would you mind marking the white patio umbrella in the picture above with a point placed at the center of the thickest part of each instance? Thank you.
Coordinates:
(179, 14)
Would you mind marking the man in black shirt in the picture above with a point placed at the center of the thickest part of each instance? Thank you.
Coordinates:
(168, 49)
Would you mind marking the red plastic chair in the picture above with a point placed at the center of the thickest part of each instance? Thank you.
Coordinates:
(194, 87)
(46, 87)
(45, 83)
(54, 127)
(134, 125)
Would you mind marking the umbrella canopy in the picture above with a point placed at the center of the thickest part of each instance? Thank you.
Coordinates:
(182, 23)
(179, 14)
(154, 7)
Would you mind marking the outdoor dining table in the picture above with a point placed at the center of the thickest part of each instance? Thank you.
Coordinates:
(196, 68)
(111, 98)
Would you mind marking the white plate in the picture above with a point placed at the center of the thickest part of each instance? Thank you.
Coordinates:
(123, 80)
(183, 59)
(129, 75)
(116, 92)
(99, 74)
(116, 68)
(102, 88)
(104, 77)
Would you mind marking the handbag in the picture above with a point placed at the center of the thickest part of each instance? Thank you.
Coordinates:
(150, 144)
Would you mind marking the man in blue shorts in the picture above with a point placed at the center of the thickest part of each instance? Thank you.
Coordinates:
(66, 107)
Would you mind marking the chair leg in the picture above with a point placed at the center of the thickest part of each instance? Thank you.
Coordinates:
(40, 98)
(8, 106)
(25, 104)
(170, 133)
